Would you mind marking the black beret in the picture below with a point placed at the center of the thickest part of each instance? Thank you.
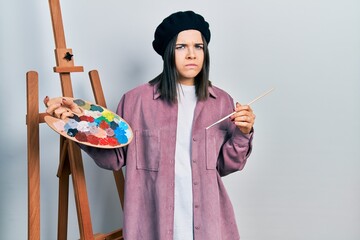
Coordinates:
(176, 23)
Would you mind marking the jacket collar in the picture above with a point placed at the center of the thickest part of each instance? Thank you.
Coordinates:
(156, 93)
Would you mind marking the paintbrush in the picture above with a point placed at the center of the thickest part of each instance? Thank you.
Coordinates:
(262, 95)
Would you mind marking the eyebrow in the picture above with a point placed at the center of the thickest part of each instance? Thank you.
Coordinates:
(185, 44)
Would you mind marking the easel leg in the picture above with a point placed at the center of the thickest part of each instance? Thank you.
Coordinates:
(63, 175)
(120, 185)
(32, 121)
(82, 204)
(71, 163)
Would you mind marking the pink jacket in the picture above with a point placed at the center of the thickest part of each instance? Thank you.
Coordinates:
(149, 160)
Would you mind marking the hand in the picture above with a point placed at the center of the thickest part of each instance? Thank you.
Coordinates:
(244, 118)
(61, 107)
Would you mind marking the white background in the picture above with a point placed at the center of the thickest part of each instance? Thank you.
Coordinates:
(302, 180)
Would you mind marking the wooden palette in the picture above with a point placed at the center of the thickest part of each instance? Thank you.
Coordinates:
(96, 126)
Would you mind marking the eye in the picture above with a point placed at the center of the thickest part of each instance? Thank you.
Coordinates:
(199, 46)
(179, 46)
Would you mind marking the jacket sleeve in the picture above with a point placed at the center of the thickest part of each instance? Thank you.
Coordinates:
(111, 159)
(235, 152)
(237, 146)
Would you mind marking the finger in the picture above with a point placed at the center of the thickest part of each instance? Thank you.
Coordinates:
(243, 124)
(242, 115)
(236, 110)
(71, 105)
(46, 100)
(239, 107)
(52, 107)
(67, 114)
(244, 119)
(245, 108)
(59, 112)
(51, 101)
(244, 127)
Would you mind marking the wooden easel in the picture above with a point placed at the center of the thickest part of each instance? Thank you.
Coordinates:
(70, 154)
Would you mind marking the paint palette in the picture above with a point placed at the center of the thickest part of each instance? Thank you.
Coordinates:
(96, 126)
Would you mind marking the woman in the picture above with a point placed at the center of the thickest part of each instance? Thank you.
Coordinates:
(174, 165)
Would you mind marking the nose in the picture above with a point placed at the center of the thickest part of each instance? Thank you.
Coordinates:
(191, 53)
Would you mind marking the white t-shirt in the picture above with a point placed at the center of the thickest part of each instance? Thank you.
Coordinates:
(183, 208)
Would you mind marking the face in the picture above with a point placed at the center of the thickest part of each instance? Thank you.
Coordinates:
(189, 55)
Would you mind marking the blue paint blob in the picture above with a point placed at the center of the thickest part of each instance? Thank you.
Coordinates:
(72, 132)
(113, 125)
(79, 102)
(122, 139)
(96, 108)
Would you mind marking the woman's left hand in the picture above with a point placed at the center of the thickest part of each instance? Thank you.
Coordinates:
(244, 118)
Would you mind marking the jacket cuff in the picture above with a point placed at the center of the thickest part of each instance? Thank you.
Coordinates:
(242, 139)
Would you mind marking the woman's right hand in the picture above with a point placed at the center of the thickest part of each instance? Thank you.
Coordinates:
(61, 107)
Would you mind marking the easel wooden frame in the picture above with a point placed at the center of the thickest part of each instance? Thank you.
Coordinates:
(70, 154)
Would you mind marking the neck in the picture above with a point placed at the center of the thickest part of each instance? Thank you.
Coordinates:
(187, 81)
